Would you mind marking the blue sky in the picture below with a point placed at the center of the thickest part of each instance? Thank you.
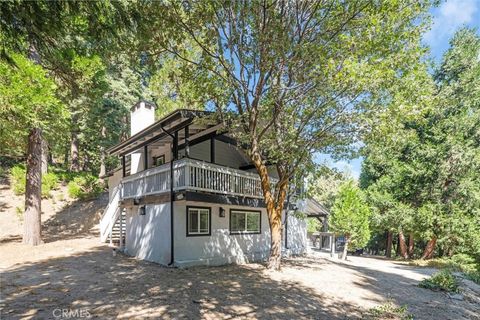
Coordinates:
(447, 18)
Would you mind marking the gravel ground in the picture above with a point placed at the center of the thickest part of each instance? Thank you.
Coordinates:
(80, 275)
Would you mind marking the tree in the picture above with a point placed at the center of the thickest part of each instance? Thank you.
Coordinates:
(350, 217)
(297, 73)
(30, 101)
(422, 167)
(28, 106)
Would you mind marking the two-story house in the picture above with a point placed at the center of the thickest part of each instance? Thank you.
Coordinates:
(187, 195)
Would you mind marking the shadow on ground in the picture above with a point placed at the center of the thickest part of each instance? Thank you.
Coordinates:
(74, 220)
(109, 286)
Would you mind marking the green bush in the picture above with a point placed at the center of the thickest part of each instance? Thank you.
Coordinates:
(85, 187)
(474, 276)
(441, 281)
(18, 179)
(49, 183)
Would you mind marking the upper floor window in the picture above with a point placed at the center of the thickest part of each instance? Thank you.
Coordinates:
(198, 221)
(245, 221)
(158, 161)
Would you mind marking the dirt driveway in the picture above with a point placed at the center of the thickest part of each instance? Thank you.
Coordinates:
(81, 276)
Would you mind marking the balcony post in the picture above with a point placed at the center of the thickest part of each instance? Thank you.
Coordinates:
(187, 142)
(145, 157)
(212, 149)
(124, 169)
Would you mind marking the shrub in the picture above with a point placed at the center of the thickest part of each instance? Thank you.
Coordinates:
(85, 187)
(18, 179)
(389, 311)
(49, 183)
(441, 281)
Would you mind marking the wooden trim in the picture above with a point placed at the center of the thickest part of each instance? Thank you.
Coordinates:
(145, 157)
(124, 169)
(224, 199)
(244, 232)
(212, 149)
(149, 199)
(209, 222)
(187, 142)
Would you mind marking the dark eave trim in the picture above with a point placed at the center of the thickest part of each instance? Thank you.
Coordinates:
(175, 115)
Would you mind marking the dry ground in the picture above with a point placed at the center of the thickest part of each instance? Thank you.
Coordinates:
(73, 271)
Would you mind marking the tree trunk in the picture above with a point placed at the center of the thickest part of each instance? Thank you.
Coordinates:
(274, 209)
(103, 169)
(74, 142)
(410, 245)
(403, 245)
(388, 250)
(430, 248)
(33, 190)
(44, 156)
(345, 248)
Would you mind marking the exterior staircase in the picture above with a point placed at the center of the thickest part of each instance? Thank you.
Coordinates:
(113, 221)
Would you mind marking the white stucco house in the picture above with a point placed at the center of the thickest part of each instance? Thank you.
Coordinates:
(187, 195)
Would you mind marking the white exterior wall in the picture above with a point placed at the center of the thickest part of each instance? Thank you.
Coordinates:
(148, 236)
(220, 247)
(296, 235)
(141, 116)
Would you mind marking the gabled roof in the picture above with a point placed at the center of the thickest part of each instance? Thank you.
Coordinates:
(176, 120)
(313, 208)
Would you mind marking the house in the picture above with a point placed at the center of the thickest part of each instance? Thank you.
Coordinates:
(187, 195)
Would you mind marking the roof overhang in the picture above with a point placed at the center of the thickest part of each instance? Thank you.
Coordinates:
(313, 208)
(175, 121)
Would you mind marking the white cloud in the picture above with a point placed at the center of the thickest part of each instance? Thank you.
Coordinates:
(451, 15)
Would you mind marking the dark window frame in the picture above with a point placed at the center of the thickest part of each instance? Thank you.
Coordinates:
(155, 160)
(244, 232)
(209, 222)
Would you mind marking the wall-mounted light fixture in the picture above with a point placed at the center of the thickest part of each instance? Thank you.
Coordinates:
(141, 210)
(221, 212)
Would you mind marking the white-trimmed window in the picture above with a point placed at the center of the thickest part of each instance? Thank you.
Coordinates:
(198, 221)
(245, 221)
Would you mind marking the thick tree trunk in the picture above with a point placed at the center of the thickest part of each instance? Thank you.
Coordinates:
(388, 250)
(33, 190)
(345, 248)
(411, 245)
(274, 210)
(403, 245)
(45, 156)
(430, 248)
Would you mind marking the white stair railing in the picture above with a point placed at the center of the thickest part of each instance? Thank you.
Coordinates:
(110, 215)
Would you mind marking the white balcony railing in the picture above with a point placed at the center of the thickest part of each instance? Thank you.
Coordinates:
(189, 174)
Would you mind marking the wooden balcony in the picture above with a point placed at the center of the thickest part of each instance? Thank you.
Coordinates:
(193, 175)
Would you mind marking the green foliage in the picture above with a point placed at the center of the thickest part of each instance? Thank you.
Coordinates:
(313, 225)
(350, 215)
(18, 179)
(422, 165)
(28, 99)
(49, 182)
(443, 280)
(85, 186)
(388, 311)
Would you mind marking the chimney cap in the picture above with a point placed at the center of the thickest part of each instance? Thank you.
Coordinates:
(148, 104)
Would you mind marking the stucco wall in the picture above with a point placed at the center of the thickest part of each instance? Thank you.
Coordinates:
(297, 234)
(220, 247)
(148, 236)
